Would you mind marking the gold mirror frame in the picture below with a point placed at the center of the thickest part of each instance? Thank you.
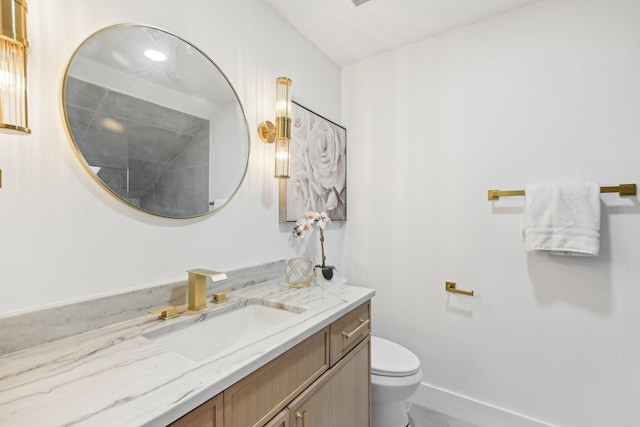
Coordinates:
(137, 148)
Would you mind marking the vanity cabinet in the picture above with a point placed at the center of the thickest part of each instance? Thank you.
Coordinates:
(209, 414)
(280, 420)
(348, 331)
(255, 399)
(340, 397)
(324, 381)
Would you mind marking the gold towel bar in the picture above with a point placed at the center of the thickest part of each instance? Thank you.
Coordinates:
(623, 189)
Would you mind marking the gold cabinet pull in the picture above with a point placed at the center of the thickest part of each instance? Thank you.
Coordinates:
(302, 417)
(363, 324)
(451, 287)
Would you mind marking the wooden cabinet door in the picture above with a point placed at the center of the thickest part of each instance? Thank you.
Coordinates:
(209, 414)
(341, 397)
(280, 420)
(257, 398)
(349, 330)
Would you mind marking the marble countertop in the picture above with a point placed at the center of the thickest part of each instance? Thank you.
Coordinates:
(116, 376)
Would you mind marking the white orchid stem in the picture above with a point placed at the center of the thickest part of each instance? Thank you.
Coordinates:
(324, 258)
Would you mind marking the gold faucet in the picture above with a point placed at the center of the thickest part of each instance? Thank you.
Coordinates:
(197, 297)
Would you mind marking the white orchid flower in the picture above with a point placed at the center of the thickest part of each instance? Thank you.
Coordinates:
(323, 219)
(305, 225)
(312, 216)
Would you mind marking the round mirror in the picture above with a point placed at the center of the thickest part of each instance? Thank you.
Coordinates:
(155, 121)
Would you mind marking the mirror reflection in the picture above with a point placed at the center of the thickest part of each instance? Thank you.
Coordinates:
(155, 121)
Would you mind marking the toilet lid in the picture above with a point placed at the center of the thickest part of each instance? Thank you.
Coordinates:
(392, 360)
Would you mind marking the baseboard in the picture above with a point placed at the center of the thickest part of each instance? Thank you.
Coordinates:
(470, 410)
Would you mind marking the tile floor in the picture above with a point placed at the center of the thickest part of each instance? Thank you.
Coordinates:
(423, 417)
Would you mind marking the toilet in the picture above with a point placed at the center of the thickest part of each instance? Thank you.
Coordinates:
(395, 376)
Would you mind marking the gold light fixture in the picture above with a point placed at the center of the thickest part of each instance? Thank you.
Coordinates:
(13, 66)
(280, 133)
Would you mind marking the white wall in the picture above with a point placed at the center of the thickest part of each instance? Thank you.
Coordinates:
(549, 93)
(63, 238)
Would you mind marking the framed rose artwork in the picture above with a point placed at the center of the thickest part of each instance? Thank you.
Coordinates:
(318, 168)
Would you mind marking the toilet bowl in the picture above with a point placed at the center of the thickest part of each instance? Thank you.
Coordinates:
(395, 376)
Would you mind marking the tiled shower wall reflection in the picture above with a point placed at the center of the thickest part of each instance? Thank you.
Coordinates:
(153, 156)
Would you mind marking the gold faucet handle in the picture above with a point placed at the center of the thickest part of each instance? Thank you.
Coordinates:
(220, 297)
(166, 313)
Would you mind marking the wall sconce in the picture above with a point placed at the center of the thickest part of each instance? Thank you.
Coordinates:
(280, 133)
(13, 66)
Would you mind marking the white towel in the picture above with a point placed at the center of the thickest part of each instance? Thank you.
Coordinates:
(562, 219)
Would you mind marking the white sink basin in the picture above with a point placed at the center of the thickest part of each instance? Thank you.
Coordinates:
(213, 333)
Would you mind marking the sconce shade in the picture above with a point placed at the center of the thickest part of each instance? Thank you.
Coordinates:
(280, 133)
(282, 158)
(13, 66)
(283, 97)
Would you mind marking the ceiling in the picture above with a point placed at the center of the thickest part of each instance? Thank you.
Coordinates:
(347, 33)
(120, 48)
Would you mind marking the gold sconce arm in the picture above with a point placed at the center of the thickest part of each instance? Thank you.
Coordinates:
(267, 132)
